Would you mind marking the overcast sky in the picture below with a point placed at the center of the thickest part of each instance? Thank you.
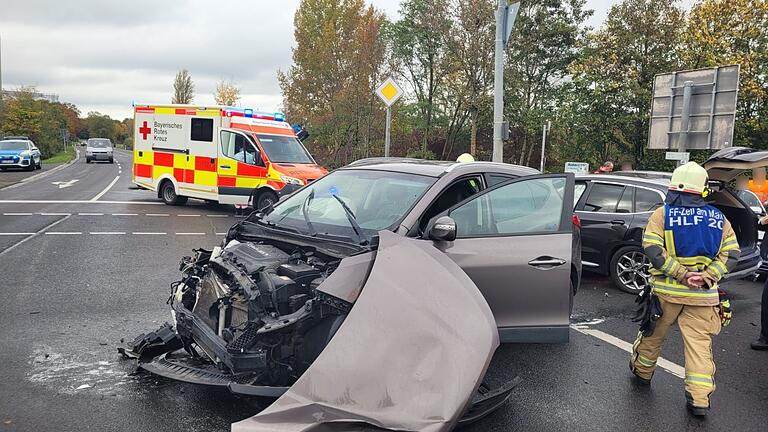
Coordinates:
(102, 55)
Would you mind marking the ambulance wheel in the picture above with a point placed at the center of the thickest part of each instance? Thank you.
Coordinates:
(630, 269)
(265, 199)
(168, 194)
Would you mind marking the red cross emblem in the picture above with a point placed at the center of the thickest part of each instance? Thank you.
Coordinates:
(145, 130)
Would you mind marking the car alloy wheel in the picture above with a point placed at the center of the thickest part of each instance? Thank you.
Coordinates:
(632, 271)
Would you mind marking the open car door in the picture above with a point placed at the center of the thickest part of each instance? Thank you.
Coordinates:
(515, 242)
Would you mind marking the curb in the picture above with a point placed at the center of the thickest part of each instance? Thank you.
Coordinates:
(44, 174)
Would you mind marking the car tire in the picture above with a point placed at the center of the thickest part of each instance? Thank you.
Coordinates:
(39, 164)
(31, 166)
(111, 160)
(264, 199)
(87, 160)
(168, 194)
(629, 269)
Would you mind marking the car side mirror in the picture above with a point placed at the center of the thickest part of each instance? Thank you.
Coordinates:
(442, 229)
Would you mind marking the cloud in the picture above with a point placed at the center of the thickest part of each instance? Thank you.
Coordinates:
(103, 55)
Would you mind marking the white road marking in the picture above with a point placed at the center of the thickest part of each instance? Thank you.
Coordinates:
(55, 214)
(158, 214)
(65, 184)
(17, 234)
(125, 214)
(78, 202)
(18, 214)
(149, 233)
(107, 233)
(218, 215)
(63, 233)
(33, 235)
(189, 234)
(221, 234)
(90, 214)
(663, 363)
(106, 189)
(188, 215)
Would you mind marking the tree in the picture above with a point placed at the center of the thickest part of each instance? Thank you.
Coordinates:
(336, 67)
(100, 126)
(543, 43)
(183, 88)
(227, 93)
(639, 39)
(418, 47)
(471, 44)
(734, 32)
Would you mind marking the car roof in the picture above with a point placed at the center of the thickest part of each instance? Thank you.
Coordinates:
(656, 183)
(433, 168)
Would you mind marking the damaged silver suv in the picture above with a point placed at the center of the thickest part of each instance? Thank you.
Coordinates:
(378, 294)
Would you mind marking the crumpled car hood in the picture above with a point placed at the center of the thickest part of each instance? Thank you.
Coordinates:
(409, 356)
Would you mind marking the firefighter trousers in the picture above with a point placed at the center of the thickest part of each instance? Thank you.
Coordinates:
(697, 325)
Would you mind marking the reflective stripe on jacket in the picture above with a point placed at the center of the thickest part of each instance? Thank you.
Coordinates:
(696, 239)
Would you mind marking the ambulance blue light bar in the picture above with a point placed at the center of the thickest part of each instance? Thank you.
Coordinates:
(250, 113)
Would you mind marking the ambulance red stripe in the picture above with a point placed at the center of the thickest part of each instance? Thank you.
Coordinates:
(227, 181)
(142, 170)
(203, 163)
(164, 159)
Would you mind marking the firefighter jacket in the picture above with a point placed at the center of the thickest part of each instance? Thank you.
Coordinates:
(682, 239)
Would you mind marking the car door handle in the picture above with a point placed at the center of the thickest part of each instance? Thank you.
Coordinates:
(546, 262)
(618, 222)
(225, 166)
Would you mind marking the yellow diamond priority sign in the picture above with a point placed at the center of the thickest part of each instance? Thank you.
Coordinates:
(389, 91)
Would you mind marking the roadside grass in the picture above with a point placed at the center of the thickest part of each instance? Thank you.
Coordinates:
(62, 157)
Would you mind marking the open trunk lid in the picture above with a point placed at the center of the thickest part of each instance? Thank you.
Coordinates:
(728, 163)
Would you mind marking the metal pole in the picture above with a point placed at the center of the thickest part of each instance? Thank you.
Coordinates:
(685, 116)
(498, 83)
(386, 135)
(544, 132)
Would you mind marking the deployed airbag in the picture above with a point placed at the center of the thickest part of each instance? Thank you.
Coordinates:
(409, 356)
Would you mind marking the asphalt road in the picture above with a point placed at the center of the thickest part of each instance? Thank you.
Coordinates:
(86, 263)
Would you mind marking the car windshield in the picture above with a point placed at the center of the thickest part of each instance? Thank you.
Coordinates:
(101, 143)
(284, 149)
(13, 145)
(347, 201)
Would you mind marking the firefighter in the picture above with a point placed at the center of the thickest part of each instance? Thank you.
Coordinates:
(691, 245)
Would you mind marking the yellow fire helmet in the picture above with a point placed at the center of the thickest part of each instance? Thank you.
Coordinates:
(690, 178)
(465, 157)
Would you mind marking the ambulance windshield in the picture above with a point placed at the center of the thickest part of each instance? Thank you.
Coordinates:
(284, 149)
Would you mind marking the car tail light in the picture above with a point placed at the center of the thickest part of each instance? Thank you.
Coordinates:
(576, 221)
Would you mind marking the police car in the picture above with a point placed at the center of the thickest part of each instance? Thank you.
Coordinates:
(19, 152)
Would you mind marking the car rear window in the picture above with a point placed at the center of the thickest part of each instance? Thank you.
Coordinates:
(603, 198)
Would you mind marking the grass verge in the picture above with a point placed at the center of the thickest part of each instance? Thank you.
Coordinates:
(62, 157)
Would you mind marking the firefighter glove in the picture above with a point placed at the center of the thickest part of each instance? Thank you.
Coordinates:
(725, 308)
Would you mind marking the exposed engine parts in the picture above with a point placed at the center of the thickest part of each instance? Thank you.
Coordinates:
(251, 309)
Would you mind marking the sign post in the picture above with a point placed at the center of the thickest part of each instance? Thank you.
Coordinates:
(693, 110)
(505, 20)
(389, 92)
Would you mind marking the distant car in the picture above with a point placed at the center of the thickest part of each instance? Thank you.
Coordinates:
(614, 210)
(99, 149)
(19, 152)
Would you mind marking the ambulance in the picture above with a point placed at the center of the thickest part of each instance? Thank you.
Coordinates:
(220, 154)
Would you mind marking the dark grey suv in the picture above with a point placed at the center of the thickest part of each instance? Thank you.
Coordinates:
(614, 210)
